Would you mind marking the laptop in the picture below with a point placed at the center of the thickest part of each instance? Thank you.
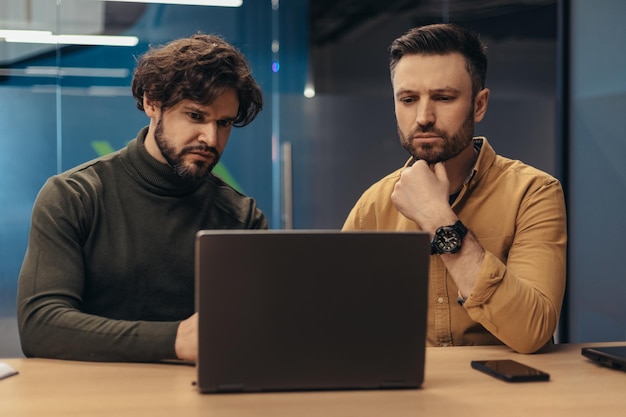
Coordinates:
(310, 310)
(610, 356)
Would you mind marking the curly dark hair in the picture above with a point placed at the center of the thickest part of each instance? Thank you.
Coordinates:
(198, 68)
(444, 38)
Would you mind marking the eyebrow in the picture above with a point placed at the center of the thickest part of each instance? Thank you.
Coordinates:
(446, 90)
(194, 108)
(200, 109)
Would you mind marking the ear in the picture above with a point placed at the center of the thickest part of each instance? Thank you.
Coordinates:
(150, 107)
(480, 104)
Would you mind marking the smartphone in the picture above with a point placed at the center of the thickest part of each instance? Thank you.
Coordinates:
(510, 370)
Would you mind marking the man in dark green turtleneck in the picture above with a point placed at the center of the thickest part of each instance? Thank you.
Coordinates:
(108, 273)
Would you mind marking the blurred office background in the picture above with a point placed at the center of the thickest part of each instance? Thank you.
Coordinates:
(328, 131)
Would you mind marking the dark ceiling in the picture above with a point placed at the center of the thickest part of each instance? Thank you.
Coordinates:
(331, 20)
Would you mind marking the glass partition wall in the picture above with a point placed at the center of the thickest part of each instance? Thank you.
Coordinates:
(65, 73)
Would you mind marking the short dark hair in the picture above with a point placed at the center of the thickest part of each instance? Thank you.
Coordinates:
(441, 39)
(198, 68)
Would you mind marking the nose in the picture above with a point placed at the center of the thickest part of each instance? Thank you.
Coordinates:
(208, 134)
(425, 113)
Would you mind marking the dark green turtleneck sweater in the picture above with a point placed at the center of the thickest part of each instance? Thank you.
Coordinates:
(109, 270)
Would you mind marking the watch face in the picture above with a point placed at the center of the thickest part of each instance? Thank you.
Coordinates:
(447, 240)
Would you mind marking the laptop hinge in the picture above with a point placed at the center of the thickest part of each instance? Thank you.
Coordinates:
(394, 383)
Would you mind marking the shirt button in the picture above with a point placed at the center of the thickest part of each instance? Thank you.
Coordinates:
(440, 300)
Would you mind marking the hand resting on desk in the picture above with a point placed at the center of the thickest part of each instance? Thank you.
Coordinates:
(186, 344)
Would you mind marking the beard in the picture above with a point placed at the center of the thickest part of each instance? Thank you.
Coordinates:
(195, 170)
(452, 145)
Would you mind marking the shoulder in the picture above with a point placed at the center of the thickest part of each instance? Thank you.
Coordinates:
(90, 172)
(520, 172)
(95, 166)
(80, 184)
(495, 167)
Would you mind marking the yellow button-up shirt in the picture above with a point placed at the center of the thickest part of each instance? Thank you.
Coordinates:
(518, 215)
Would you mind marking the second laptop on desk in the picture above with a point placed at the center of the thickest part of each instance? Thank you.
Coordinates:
(311, 310)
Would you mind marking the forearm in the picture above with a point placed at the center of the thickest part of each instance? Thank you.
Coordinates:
(51, 324)
(518, 292)
(464, 266)
(49, 328)
(521, 314)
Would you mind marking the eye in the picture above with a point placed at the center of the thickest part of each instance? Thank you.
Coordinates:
(444, 98)
(195, 116)
(225, 123)
(408, 100)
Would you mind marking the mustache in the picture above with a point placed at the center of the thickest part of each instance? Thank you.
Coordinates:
(203, 149)
(427, 129)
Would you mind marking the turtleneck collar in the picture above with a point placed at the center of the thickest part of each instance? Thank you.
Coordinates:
(154, 175)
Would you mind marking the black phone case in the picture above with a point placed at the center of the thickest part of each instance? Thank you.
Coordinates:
(510, 371)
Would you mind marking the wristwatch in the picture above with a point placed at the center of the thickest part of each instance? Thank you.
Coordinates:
(448, 239)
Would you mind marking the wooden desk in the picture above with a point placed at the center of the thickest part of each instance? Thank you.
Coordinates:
(452, 388)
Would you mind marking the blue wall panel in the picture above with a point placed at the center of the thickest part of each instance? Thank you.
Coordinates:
(597, 188)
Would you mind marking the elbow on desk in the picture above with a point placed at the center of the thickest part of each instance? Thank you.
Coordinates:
(32, 344)
(532, 341)
(530, 348)
(29, 344)
(525, 335)
(37, 337)
(39, 340)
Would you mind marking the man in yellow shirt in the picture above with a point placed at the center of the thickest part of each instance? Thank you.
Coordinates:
(498, 226)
